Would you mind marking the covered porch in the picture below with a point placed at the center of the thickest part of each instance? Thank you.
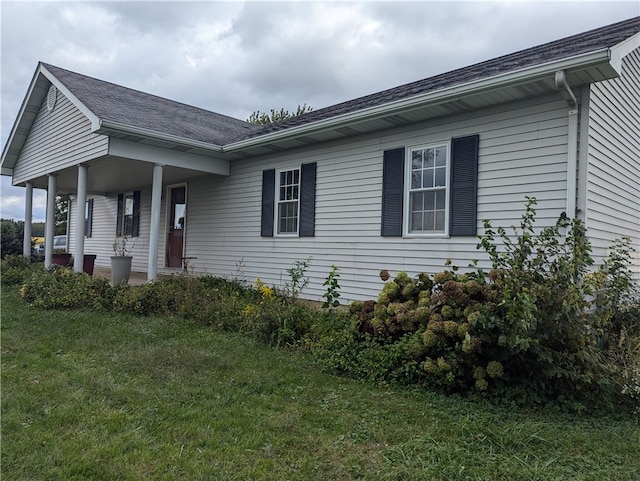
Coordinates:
(136, 167)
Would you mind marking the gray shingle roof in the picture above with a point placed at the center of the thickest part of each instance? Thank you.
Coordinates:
(138, 109)
(113, 102)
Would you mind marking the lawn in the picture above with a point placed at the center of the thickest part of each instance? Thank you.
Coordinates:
(102, 396)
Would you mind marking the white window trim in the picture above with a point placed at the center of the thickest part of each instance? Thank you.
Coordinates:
(86, 217)
(124, 213)
(276, 220)
(407, 192)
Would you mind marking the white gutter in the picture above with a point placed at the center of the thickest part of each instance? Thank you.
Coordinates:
(111, 126)
(572, 141)
(443, 95)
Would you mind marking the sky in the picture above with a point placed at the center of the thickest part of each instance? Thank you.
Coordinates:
(241, 56)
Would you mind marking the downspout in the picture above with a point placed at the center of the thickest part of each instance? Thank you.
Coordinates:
(572, 141)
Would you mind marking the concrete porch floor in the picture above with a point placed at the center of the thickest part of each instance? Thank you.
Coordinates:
(136, 279)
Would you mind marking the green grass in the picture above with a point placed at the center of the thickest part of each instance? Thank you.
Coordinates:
(102, 396)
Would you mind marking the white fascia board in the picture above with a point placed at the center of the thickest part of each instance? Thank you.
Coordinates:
(107, 126)
(438, 96)
(158, 155)
(72, 98)
(624, 48)
(16, 124)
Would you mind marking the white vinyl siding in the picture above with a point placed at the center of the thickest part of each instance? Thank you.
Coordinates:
(57, 139)
(522, 152)
(613, 171)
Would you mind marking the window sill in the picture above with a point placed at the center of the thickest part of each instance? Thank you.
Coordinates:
(426, 236)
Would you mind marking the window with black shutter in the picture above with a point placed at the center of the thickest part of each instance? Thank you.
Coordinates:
(431, 192)
(289, 202)
(128, 216)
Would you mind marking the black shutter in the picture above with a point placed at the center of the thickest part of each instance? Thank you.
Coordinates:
(119, 215)
(307, 200)
(464, 186)
(135, 221)
(268, 201)
(89, 220)
(392, 192)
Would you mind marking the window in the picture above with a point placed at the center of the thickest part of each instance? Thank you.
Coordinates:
(88, 217)
(128, 217)
(288, 202)
(438, 195)
(427, 192)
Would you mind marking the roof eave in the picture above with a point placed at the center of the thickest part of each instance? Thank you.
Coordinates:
(439, 96)
(107, 127)
(9, 158)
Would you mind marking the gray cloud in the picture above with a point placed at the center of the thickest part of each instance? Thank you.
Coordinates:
(234, 57)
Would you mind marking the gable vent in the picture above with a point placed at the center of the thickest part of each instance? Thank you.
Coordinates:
(52, 96)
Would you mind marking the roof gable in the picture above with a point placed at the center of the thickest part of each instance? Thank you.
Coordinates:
(128, 107)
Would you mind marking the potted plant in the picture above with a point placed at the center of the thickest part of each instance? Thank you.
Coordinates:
(121, 260)
(60, 258)
(88, 263)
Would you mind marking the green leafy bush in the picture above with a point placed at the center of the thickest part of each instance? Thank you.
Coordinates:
(60, 287)
(16, 269)
(275, 319)
(226, 304)
(332, 293)
(524, 330)
(541, 327)
(617, 318)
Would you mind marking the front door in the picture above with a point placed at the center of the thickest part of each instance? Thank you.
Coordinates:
(177, 214)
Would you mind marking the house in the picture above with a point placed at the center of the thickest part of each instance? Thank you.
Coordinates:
(397, 180)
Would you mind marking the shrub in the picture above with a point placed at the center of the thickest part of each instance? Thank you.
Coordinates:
(540, 326)
(275, 319)
(17, 268)
(60, 287)
(261, 312)
(617, 318)
(522, 331)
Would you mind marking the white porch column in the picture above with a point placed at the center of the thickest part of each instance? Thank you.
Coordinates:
(81, 197)
(154, 235)
(51, 220)
(28, 213)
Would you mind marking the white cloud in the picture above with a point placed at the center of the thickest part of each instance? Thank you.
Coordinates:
(12, 202)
